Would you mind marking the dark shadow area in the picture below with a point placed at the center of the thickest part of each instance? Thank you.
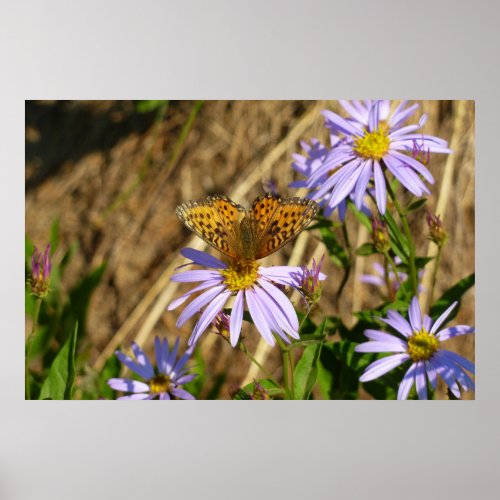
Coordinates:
(59, 132)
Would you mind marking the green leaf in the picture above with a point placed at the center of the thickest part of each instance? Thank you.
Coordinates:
(456, 292)
(61, 377)
(245, 393)
(399, 243)
(416, 205)
(366, 249)
(306, 370)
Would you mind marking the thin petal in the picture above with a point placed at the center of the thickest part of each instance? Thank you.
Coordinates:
(258, 317)
(454, 331)
(135, 367)
(376, 346)
(384, 337)
(165, 396)
(236, 319)
(382, 366)
(182, 394)
(415, 315)
(443, 317)
(206, 284)
(203, 258)
(282, 301)
(127, 385)
(143, 360)
(421, 381)
(208, 315)
(135, 397)
(407, 382)
(380, 187)
(198, 303)
(362, 183)
(431, 374)
(456, 358)
(397, 322)
(196, 275)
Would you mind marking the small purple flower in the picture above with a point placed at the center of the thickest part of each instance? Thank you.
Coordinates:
(308, 281)
(371, 139)
(163, 383)
(41, 267)
(421, 344)
(247, 281)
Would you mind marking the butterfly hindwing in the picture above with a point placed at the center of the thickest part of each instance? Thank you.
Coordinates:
(276, 228)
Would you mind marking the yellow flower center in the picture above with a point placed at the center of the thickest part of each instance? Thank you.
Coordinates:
(422, 345)
(373, 145)
(240, 275)
(159, 383)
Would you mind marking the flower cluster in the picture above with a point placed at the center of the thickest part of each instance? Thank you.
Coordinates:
(371, 139)
(257, 286)
(419, 342)
(163, 383)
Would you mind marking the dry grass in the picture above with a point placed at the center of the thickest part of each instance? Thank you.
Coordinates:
(82, 156)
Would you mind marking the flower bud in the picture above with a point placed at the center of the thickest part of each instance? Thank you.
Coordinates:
(380, 236)
(437, 234)
(41, 266)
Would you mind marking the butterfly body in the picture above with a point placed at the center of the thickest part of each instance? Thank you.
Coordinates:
(247, 235)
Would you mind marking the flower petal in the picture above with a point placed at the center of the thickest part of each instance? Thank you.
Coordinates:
(236, 319)
(182, 393)
(415, 315)
(203, 258)
(198, 303)
(258, 317)
(127, 385)
(380, 187)
(376, 346)
(282, 301)
(382, 366)
(454, 331)
(443, 317)
(135, 367)
(208, 315)
(397, 322)
(384, 337)
(407, 382)
(143, 360)
(420, 380)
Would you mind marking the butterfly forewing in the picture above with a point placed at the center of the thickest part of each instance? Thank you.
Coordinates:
(216, 221)
(283, 222)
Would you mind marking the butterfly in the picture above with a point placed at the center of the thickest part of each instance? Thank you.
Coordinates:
(248, 234)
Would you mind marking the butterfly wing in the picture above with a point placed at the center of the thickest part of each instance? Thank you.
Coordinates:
(215, 220)
(279, 221)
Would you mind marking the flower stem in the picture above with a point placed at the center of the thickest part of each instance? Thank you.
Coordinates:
(253, 360)
(29, 344)
(411, 245)
(393, 267)
(434, 275)
(287, 363)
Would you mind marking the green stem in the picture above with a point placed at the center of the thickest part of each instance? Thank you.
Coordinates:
(390, 290)
(285, 355)
(253, 360)
(29, 344)
(393, 267)
(411, 245)
(434, 275)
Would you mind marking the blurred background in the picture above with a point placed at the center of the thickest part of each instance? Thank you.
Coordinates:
(103, 179)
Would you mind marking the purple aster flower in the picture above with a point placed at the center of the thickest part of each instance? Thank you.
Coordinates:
(247, 281)
(308, 165)
(421, 344)
(308, 281)
(163, 383)
(371, 139)
(41, 267)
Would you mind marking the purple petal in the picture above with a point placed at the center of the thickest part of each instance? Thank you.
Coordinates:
(397, 322)
(160, 360)
(135, 397)
(198, 303)
(182, 394)
(206, 284)
(415, 315)
(282, 301)
(177, 369)
(375, 346)
(446, 374)
(416, 165)
(135, 367)
(185, 379)
(364, 178)
(421, 381)
(345, 185)
(236, 319)
(382, 366)
(380, 187)
(196, 275)
(164, 396)
(431, 374)
(203, 258)
(372, 280)
(454, 331)
(258, 317)
(143, 360)
(355, 113)
(401, 116)
(340, 124)
(456, 358)
(442, 318)
(427, 323)
(407, 382)
(384, 337)
(127, 385)
(208, 315)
